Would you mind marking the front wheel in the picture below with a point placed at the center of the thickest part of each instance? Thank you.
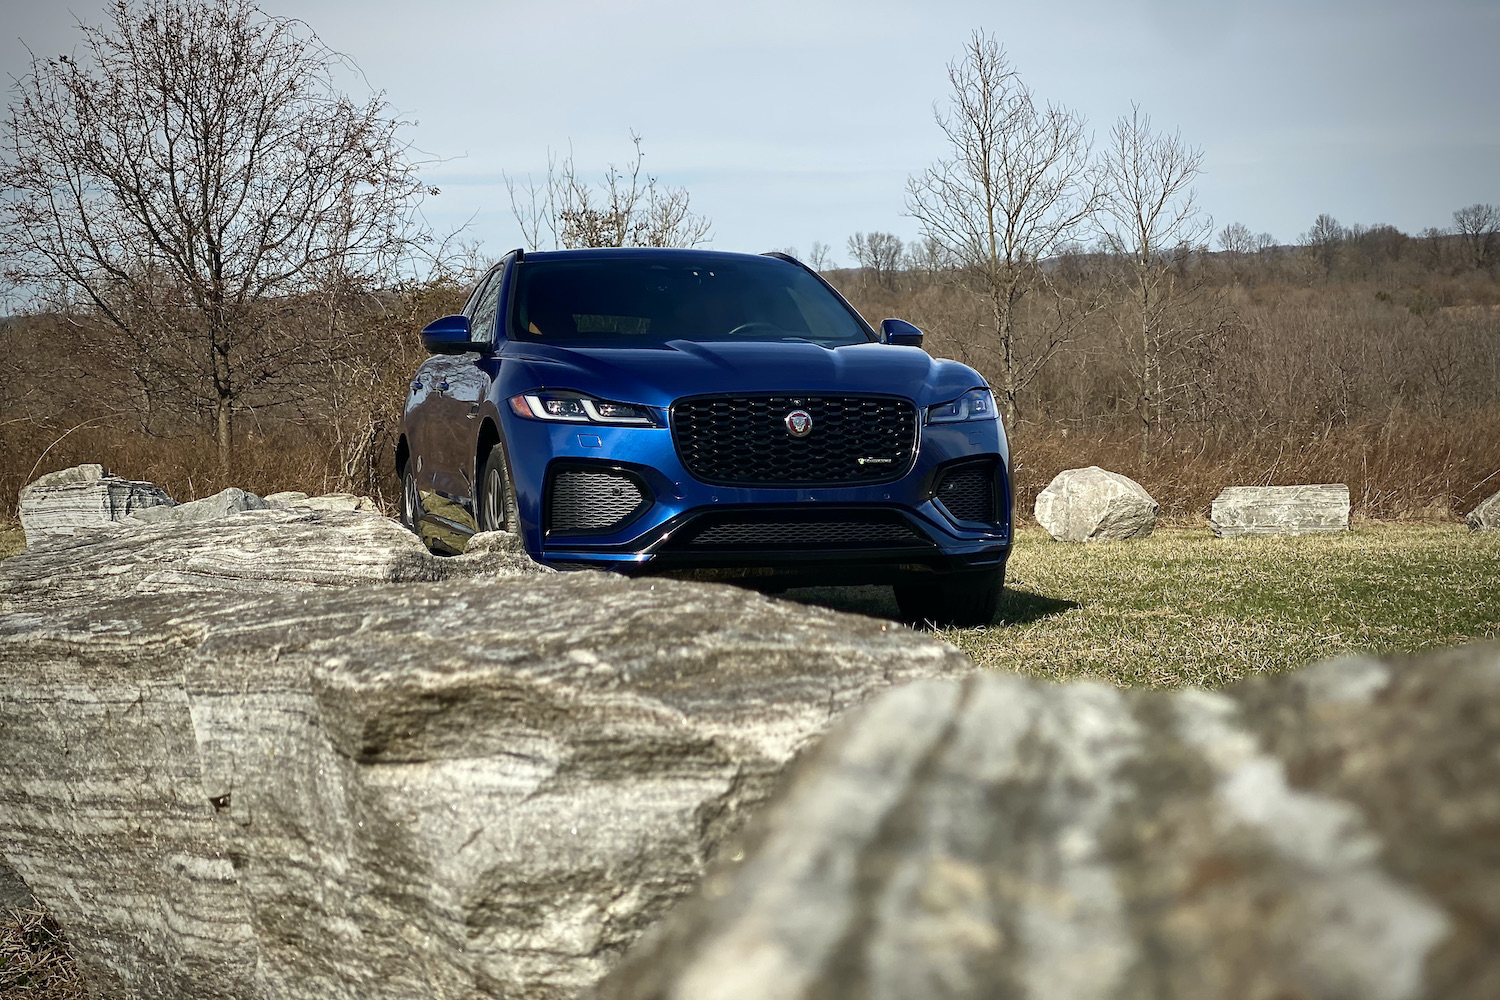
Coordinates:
(411, 501)
(960, 600)
(496, 506)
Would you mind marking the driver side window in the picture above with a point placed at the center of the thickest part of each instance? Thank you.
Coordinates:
(482, 325)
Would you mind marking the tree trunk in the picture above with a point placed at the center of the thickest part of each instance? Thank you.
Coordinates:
(224, 432)
(224, 392)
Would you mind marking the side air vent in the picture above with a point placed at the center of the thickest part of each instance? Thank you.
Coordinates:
(594, 500)
(968, 492)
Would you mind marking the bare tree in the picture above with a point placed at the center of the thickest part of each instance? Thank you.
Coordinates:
(628, 209)
(879, 254)
(820, 256)
(1478, 229)
(1324, 239)
(198, 164)
(1236, 238)
(1017, 185)
(1151, 221)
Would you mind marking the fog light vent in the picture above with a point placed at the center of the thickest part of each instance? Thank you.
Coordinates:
(594, 500)
(968, 492)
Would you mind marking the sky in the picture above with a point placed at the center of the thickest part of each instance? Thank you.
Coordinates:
(794, 121)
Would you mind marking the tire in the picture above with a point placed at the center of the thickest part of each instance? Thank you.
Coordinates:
(954, 600)
(411, 501)
(495, 506)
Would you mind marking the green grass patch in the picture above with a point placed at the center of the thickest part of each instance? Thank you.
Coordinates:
(1183, 607)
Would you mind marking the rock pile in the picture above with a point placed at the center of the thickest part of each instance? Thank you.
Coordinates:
(1280, 510)
(83, 498)
(1094, 505)
(267, 756)
(1324, 835)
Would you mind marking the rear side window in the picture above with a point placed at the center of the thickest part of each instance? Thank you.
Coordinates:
(638, 302)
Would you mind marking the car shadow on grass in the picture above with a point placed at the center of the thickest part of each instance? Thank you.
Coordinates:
(1017, 607)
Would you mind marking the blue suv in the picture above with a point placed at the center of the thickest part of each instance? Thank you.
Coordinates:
(731, 415)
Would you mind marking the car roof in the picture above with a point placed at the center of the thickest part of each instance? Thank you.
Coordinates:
(644, 253)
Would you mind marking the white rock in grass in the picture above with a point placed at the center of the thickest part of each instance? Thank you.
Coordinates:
(1485, 517)
(84, 498)
(1094, 505)
(1280, 510)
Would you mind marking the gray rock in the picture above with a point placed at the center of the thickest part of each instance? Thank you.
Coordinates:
(1094, 505)
(328, 501)
(82, 499)
(13, 891)
(272, 551)
(248, 758)
(1280, 510)
(223, 503)
(1485, 517)
(1326, 834)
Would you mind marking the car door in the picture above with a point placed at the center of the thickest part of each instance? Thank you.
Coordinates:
(463, 381)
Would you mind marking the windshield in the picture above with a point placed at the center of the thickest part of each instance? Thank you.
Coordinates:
(638, 302)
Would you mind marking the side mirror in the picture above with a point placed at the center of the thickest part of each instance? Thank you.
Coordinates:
(900, 332)
(449, 335)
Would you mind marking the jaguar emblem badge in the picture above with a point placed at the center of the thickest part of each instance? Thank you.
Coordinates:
(799, 423)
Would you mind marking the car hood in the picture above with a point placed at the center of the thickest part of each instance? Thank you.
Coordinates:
(656, 376)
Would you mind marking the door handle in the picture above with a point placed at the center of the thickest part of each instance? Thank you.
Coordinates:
(416, 386)
(442, 386)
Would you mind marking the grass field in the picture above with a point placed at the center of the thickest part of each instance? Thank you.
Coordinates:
(1183, 607)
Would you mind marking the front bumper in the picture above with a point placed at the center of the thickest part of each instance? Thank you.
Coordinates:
(913, 532)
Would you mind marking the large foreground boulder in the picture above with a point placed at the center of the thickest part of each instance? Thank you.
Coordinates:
(1324, 835)
(258, 758)
(81, 499)
(1094, 505)
(1485, 517)
(1280, 510)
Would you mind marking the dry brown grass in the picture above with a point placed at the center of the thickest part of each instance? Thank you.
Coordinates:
(1407, 466)
(35, 963)
(281, 457)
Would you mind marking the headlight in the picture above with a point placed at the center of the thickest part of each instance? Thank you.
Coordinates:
(976, 404)
(575, 408)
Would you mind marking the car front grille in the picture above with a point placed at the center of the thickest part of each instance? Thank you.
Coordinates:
(778, 535)
(744, 440)
(593, 500)
(968, 492)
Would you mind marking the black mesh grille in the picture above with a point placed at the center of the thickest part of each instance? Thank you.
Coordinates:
(744, 440)
(968, 492)
(804, 534)
(593, 499)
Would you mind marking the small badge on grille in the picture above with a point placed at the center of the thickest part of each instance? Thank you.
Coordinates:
(799, 423)
(876, 461)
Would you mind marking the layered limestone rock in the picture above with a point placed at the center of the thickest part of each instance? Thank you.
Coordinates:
(1095, 505)
(1280, 510)
(1485, 517)
(1326, 834)
(253, 758)
(82, 499)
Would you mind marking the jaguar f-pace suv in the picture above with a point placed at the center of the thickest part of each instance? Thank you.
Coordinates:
(729, 414)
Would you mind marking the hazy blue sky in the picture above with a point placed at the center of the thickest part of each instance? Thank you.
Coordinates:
(791, 122)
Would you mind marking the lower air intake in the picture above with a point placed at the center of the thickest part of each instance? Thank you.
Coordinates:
(774, 535)
(968, 492)
(594, 500)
